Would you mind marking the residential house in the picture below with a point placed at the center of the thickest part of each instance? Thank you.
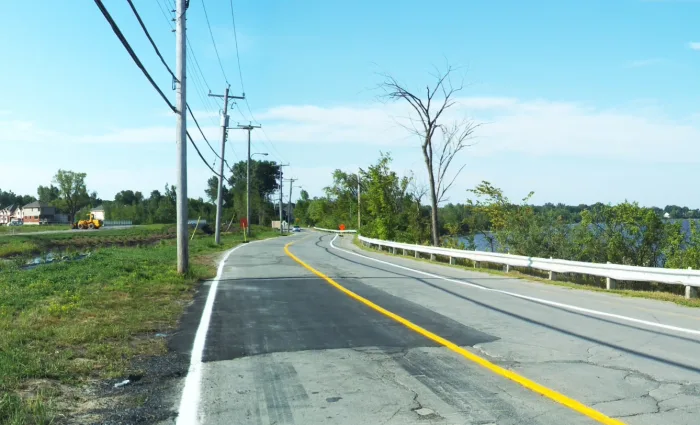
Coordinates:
(10, 213)
(99, 213)
(38, 213)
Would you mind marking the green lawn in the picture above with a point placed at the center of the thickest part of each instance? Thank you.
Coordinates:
(69, 322)
(32, 228)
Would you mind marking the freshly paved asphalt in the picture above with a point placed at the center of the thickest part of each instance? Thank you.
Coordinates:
(285, 347)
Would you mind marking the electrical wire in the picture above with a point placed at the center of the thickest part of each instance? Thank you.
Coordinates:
(201, 132)
(240, 75)
(206, 16)
(165, 15)
(200, 154)
(238, 56)
(131, 52)
(153, 43)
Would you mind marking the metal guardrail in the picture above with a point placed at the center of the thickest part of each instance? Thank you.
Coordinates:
(334, 231)
(612, 272)
(110, 223)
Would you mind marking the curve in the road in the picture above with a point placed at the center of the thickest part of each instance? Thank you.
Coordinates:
(533, 299)
(525, 382)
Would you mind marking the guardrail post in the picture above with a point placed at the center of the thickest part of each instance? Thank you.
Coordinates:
(453, 261)
(610, 283)
(404, 251)
(552, 275)
(507, 268)
(417, 254)
(395, 250)
(477, 264)
(691, 291)
(432, 257)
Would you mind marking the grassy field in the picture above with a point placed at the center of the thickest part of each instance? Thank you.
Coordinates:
(32, 229)
(32, 244)
(69, 323)
(653, 295)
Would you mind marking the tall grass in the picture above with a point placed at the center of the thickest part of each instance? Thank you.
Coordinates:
(66, 322)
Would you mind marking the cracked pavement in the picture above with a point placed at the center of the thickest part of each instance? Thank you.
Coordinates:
(284, 347)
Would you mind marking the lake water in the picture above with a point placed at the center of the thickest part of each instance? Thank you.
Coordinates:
(482, 243)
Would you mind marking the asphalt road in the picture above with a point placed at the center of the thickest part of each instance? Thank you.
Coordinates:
(284, 346)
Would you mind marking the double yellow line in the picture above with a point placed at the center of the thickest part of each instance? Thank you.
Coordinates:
(525, 382)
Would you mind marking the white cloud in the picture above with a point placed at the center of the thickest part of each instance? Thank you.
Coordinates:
(695, 45)
(535, 127)
(538, 131)
(643, 62)
(527, 127)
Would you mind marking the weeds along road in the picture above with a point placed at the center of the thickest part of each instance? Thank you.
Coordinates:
(348, 337)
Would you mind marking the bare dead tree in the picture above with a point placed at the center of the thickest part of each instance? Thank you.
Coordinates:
(438, 156)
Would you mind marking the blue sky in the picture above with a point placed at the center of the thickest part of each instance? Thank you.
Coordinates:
(582, 101)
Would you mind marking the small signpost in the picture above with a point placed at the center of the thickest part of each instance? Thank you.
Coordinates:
(244, 226)
(342, 228)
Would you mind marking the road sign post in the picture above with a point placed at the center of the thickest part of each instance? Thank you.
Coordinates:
(244, 227)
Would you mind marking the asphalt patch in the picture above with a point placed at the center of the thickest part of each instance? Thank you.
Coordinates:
(260, 316)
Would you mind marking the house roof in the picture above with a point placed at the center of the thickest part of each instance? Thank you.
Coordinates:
(100, 208)
(37, 204)
(9, 208)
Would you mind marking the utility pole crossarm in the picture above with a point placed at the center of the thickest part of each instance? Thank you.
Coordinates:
(227, 97)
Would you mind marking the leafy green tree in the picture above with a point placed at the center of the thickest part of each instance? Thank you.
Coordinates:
(48, 194)
(73, 191)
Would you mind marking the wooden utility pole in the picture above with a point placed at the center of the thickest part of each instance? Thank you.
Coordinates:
(181, 135)
(289, 204)
(224, 128)
(250, 128)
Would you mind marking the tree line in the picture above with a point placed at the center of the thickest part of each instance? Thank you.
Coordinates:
(69, 194)
(391, 207)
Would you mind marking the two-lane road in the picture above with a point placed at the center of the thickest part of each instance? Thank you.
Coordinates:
(285, 346)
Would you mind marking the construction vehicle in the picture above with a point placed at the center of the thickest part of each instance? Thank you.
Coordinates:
(90, 223)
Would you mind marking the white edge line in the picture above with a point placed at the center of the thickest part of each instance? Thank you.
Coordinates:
(188, 411)
(539, 300)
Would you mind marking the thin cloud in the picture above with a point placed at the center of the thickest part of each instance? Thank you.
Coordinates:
(643, 63)
(695, 45)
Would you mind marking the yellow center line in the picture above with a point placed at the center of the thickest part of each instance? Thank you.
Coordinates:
(525, 382)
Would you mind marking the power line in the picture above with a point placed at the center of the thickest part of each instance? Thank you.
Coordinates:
(240, 75)
(200, 154)
(201, 132)
(238, 56)
(214, 42)
(165, 15)
(131, 52)
(196, 63)
(153, 43)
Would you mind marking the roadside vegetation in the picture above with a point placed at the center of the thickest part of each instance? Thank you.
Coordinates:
(22, 246)
(652, 291)
(71, 323)
(392, 209)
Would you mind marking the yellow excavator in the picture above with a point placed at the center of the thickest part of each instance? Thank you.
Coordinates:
(90, 223)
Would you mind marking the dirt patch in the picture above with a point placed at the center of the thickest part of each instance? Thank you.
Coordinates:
(148, 398)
